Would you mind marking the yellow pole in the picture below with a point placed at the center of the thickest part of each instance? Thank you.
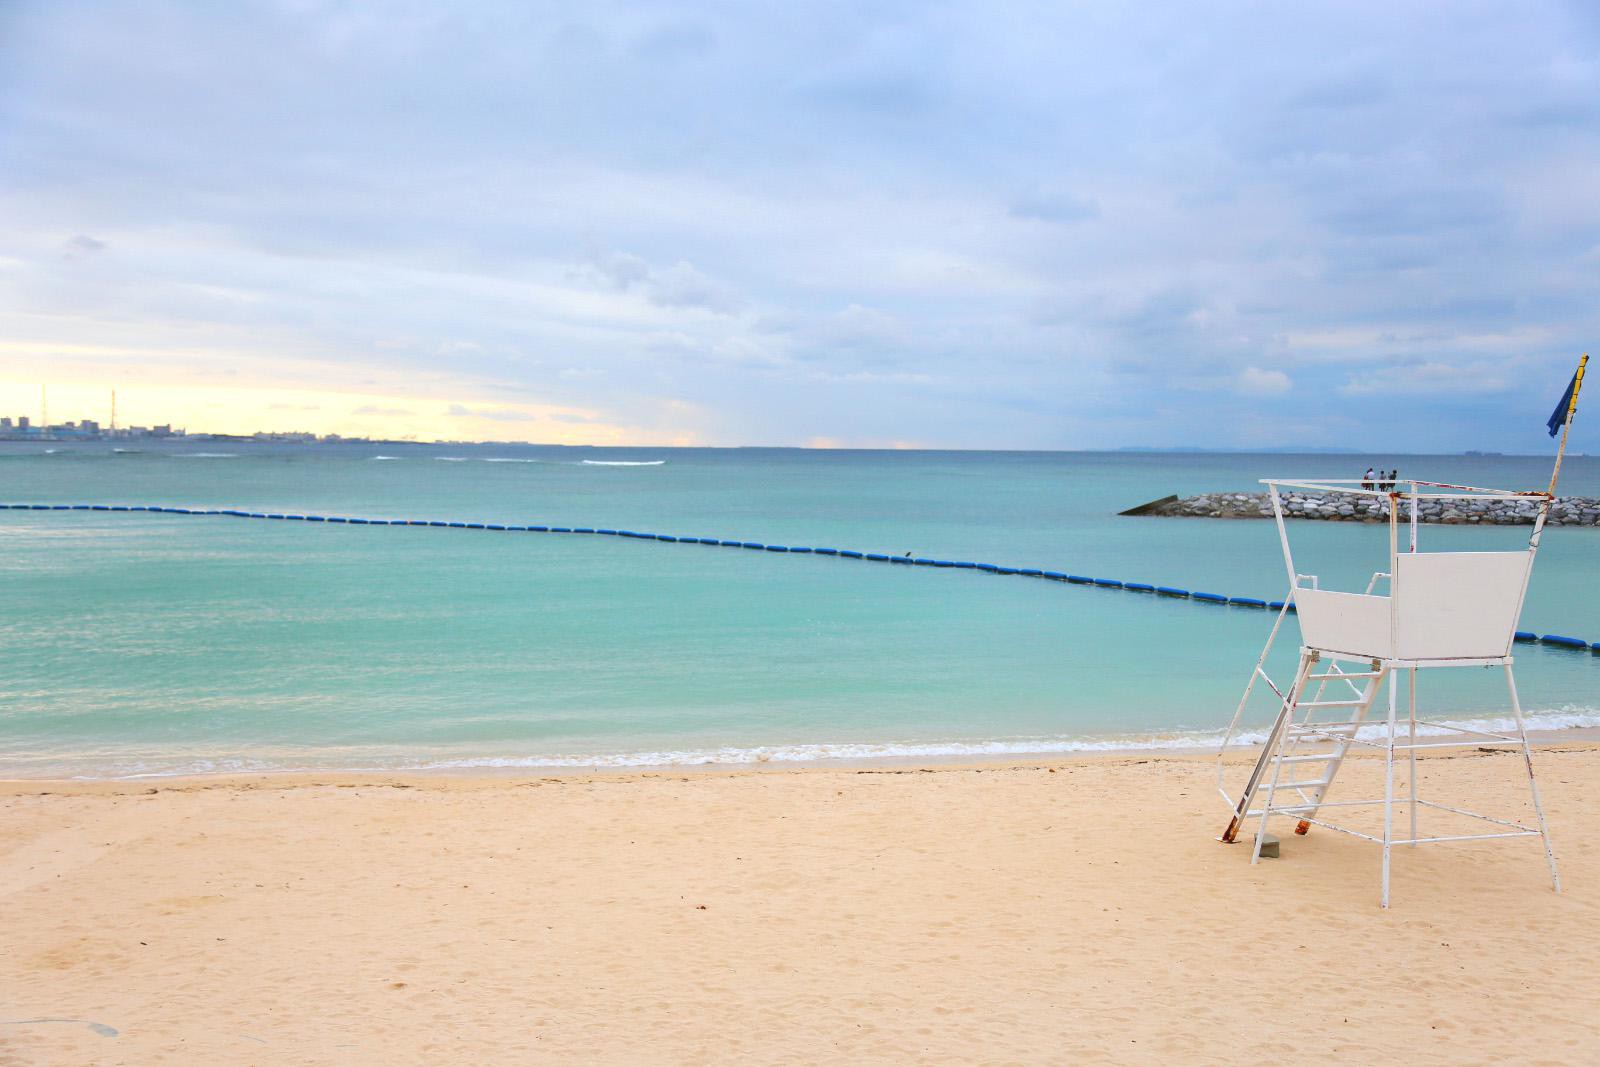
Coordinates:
(1566, 428)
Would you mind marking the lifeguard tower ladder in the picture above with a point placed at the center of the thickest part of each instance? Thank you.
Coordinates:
(1441, 609)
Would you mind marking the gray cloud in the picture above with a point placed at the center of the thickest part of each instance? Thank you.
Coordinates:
(82, 245)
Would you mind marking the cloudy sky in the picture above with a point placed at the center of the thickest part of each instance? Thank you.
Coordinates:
(986, 225)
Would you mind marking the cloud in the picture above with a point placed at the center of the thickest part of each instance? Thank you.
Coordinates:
(374, 409)
(683, 286)
(460, 411)
(1047, 206)
(1253, 381)
(1429, 379)
(622, 269)
(967, 224)
(676, 42)
(82, 245)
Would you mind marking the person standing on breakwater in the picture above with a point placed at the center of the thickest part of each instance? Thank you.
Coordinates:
(1366, 479)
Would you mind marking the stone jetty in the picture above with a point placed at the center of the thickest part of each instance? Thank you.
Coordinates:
(1337, 507)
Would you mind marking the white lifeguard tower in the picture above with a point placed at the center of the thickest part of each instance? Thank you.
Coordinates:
(1440, 609)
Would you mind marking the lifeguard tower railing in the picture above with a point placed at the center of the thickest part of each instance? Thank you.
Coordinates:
(1440, 609)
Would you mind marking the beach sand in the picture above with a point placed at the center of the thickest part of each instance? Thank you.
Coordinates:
(1069, 911)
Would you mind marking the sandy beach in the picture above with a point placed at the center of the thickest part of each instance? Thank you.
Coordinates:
(1069, 911)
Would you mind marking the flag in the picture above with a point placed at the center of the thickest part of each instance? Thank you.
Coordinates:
(1558, 417)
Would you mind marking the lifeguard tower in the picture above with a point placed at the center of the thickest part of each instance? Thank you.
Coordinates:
(1429, 610)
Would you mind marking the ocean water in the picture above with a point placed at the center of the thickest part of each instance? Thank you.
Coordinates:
(157, 644)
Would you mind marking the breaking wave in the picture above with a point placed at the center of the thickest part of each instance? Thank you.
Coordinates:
(1199, 741)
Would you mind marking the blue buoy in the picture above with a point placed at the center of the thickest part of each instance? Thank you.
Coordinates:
(1563, 642)
(1523, 636)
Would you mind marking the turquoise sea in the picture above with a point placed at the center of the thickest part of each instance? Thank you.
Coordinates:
(156, 644)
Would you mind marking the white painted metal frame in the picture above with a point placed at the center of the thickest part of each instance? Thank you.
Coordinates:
(1281, 748)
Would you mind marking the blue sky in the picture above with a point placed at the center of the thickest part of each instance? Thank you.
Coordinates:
(994, 225)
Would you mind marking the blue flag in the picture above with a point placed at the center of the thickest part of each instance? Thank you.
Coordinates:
(1558, 417)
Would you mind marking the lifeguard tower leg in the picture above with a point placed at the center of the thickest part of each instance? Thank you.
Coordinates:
(1533, 786)
(1412, 741)
(1388, 792)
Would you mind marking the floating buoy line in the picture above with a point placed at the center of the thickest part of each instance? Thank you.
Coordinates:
(1171, 592)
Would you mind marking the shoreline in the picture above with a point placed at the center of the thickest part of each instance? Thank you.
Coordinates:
(1577, 740)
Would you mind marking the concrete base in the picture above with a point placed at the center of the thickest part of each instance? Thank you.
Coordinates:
(1269, 847)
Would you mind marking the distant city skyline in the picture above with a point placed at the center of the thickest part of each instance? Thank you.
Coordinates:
(961, 225)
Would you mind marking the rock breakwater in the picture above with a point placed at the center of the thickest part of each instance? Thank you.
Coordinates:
(1337, 507)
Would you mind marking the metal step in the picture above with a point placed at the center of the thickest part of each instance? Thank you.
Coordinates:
(1319, 783)
(1331, 704)
(1315, 757)
(1340, 677)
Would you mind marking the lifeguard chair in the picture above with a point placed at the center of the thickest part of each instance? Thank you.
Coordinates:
(1439, 609)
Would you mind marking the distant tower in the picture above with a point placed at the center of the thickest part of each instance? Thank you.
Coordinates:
(113, 411)
(44, 414)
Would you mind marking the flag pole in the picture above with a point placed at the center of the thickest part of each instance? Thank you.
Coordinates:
(1572, 410)
(1555, 473)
